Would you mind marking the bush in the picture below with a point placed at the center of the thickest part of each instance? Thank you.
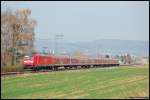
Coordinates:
(10, 68)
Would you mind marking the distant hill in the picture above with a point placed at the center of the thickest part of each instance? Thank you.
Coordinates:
(102, 46)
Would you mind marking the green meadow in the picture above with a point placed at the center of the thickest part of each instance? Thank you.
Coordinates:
(97, 83)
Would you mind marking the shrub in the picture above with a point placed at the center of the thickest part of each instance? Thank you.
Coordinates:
(10, 68)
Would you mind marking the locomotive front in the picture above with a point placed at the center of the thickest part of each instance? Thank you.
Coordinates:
(27, 62)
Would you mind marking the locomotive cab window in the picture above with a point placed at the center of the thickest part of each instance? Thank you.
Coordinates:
(28, 58)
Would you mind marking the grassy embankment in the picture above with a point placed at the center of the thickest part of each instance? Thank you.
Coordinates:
(120, 82)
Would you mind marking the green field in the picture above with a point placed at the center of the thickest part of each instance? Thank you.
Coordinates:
(123, 82)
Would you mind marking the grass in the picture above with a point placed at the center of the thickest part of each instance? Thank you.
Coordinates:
(123, 82)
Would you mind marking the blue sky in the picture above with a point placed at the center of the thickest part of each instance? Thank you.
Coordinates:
(88, 20)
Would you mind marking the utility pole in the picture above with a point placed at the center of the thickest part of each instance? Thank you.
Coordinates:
(60, 36)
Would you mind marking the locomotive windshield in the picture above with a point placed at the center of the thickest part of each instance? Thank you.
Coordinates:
(27, 57)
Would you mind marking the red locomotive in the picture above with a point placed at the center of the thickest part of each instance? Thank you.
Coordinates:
(46, 61)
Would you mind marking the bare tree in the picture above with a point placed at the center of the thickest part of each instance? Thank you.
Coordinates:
(16, 28)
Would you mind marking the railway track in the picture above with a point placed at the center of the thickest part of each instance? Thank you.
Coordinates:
(11, 73)
(31, 71)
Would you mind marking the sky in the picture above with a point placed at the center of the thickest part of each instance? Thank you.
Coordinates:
(88, 20)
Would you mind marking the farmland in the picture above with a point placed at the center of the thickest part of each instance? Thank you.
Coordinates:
(122, 82)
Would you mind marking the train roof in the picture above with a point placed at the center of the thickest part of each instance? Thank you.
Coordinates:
(78, 57)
